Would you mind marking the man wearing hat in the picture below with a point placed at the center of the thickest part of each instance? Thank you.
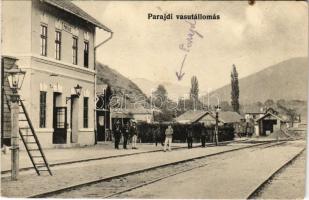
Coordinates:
(190, 136)
(133, 133)
(157, 135)
(117, 134)
(168, 138)
(203, 135)
(126, 132)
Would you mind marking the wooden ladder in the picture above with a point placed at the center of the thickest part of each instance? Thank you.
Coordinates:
(31, 142)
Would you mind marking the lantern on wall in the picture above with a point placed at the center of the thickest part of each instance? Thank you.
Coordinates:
(77, 90)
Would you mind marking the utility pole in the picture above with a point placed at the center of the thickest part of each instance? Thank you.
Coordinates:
(105, 113)
(277, 135)
(217, 125)
(216, 128)
(15, 79)
(15, 138)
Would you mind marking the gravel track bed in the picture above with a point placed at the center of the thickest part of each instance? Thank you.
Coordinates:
(292, 178)
(111, 188)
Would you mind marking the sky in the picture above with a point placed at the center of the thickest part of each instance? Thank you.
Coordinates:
(251, 37)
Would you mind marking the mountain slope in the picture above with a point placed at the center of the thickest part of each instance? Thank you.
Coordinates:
(285, 80)
(118, 82)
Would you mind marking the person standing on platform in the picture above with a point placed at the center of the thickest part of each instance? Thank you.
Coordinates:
(117, 134)
(190, 137)
(162, 134)
(126, 132)
(133, 133)
(157, 135)
(203, 135)
(168, 138)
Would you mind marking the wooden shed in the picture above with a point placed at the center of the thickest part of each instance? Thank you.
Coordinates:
(268, 123)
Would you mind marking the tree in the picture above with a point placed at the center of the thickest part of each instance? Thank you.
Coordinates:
(293, 115)
(225, 106)
(194, 88)
(160, 101)
(107, 94)
(194, 91)
(235, 89)
(269, 103)
(161, 91)
(159, 97)
(103, 100)
(189, 104)
(281, 102)
(290, 112)
(259, 104)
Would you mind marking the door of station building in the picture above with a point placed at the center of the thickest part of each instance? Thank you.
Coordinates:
(268, 125)
(60, 125)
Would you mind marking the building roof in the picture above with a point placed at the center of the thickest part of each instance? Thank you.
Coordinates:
(191, 116)
(230, 117)
(119, 114)
(70, 7)
(134, 110)
(139, 110)
(268, 114)
(271, 110)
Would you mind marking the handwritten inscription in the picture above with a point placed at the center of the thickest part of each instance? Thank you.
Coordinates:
(180, 74)
(190, 20)
(186, 47)
(191, 33)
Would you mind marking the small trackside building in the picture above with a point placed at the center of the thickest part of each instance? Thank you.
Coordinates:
(54, 42)
(270, 122)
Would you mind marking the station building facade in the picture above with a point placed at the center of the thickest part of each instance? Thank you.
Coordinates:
(53, 41)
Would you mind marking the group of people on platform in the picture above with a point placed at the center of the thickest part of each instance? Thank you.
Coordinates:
(129, 131)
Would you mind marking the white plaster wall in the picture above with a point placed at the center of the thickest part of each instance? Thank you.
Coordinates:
(54, 15)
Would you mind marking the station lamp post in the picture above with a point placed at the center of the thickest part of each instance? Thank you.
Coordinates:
(15, 78)
(218, 109)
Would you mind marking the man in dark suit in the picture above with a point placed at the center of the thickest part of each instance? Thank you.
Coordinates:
(125, 132)
(203, 135)
(157, 135)
(117, 134)
(190, 137)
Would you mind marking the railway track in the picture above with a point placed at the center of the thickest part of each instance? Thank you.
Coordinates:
(24, 169)
(115, 185)
(4, 172)
(255, 193)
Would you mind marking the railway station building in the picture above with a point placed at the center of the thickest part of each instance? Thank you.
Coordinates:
(208, 118)
(54, 42)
